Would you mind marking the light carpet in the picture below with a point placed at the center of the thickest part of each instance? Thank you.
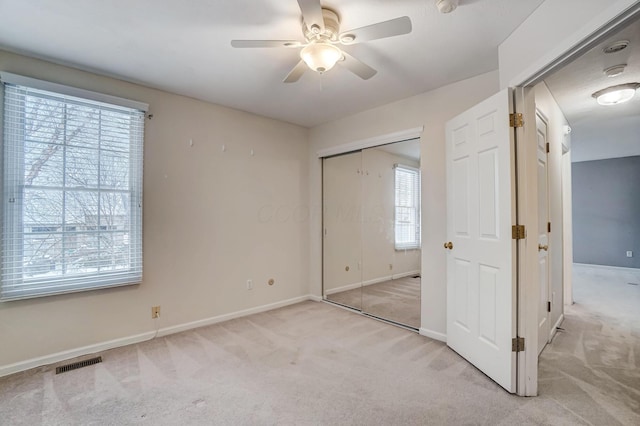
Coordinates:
(396, 300)
(316, 364)
(592, 367)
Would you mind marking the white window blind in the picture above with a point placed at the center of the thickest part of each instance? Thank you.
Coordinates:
(407, 207)
(72, 193)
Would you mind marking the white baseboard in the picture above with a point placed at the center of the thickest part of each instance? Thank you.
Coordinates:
(406, 274)
(226, 317)
(343, 288)
(371, 282)
(611, 268)
(315, 298)
(17, 367)
(435, 335)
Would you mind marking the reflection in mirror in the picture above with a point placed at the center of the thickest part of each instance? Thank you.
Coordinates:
(371, 226)
(342, 239)
(391, 254)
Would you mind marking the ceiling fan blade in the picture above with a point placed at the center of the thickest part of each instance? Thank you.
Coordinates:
(312, 13)
(295, 74)
(266, 43)
(357, 67)
(393, 27)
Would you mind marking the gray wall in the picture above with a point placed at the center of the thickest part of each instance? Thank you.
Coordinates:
(606, 211)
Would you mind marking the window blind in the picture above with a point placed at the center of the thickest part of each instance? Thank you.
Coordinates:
(407, 207)
(72, 193)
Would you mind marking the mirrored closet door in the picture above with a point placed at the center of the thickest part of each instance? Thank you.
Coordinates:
(372, 221)
(342, 241)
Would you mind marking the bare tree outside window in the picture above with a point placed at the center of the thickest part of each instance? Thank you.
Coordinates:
(75, 196)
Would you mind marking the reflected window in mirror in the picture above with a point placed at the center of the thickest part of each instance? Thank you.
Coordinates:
(407, 207)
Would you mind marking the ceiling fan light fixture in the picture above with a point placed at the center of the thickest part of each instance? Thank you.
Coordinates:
(320, 56)
(616, 94)
(446, 6)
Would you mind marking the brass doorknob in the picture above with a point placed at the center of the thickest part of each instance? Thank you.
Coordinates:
(541, 247)
(448, 245)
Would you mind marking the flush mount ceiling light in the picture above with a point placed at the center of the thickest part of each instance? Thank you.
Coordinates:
(321, 56)
(616, 94)
(446, 6)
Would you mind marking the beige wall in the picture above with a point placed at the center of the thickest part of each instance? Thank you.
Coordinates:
(212, 220)
(431, 109)
(547, 105)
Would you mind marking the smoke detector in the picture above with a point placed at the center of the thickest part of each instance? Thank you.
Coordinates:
(615, 70)
(446, 6)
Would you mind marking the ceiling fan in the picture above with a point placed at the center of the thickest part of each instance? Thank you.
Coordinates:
(321, 30)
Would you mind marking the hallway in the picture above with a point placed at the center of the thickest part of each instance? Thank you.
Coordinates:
(592, 367)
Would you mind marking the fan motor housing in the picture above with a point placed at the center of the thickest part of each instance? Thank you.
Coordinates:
(331, 27)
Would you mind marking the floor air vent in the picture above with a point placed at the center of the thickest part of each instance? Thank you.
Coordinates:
(79, 364)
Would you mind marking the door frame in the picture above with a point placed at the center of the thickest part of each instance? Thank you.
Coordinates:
(527, 196)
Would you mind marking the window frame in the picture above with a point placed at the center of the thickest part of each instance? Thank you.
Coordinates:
(13, 282)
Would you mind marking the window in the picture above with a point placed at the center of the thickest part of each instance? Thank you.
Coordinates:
(72, 189)
(407, 207)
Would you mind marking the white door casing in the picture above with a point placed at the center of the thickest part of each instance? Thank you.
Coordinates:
(544, 319)
(481, 292)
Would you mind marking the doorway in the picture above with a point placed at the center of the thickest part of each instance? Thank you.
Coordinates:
(594, 168)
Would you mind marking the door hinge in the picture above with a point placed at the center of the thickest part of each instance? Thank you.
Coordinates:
(549, 306)
(517, 344)
(548, 226)
(547, 147)
(516, 120)
(517, 232)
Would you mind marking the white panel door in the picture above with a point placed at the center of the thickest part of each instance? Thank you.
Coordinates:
(481, 308)
(544, 316)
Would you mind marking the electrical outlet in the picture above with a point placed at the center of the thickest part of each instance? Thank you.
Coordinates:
(155, 312)
(249, 284)
(629, 253)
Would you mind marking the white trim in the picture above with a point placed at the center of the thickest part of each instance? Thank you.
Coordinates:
(399, 136)
(5, 370)
(610, 268)
(220, 318)
(315, 298)
(435, 335)
(371, 282)
(343, 288)
(20, 80)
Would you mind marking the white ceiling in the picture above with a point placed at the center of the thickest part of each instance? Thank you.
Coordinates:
(600, 132)
(184, 47)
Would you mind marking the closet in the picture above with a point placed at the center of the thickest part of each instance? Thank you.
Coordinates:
(371, 231)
